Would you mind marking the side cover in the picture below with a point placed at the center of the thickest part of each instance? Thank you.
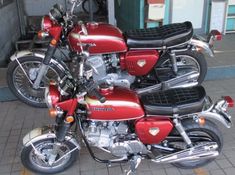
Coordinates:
(140, 62)
(153, 130)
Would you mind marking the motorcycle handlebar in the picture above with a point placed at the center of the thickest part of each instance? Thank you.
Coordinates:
(100, 97)
(91, 90)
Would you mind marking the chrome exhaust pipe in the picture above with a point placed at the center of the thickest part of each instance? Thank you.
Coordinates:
(186, 80)
(204, 151)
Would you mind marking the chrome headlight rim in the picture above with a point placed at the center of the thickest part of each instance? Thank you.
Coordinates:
(48, 99)
(42, 23)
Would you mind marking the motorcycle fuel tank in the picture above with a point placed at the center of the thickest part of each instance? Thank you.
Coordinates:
(102, 38)
(121, 104)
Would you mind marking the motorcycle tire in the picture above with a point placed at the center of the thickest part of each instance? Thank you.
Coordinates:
(197, 57)
(25, 92)
(33, 164)
(210, 129)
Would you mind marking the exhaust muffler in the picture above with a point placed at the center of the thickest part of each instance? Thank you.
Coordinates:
(204, 151)
(186, 80)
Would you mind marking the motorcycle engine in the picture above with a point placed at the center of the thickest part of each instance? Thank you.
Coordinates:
(107, 70)
(114, 137)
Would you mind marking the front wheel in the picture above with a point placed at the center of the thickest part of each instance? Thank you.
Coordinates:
(195, 131)
(22, 86)
(186, 61)
(45, 160)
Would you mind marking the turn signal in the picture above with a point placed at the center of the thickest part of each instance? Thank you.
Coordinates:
(52, 112)
(201, 121)
(69, 119)
(53, 42)
(230, 101)
(199, 49)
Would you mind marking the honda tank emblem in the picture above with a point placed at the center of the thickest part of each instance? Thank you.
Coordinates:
(154, 131)
(141, 63)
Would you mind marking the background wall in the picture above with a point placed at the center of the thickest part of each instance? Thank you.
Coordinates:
(9, 31)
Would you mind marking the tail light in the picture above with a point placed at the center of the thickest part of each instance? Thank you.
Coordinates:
(214, 35)
(229, 101)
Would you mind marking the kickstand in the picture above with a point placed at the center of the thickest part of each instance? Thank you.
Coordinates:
(134, 163)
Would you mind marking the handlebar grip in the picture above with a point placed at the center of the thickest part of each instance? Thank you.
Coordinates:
(100, 97)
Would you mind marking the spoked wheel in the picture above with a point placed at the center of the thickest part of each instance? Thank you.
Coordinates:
(199, 135)
(187, 61)
(21, 81)
(46, 160)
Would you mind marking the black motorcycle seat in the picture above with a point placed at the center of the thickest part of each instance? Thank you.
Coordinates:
(179, 101)
(165, 36)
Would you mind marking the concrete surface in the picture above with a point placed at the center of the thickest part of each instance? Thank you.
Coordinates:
(16, 119)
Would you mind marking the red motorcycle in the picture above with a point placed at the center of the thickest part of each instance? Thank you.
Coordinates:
(172, 126)
(143, 59)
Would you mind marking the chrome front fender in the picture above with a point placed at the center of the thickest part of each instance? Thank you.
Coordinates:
(46, 132)
(19, 54)
(38, 53)
(203, 45)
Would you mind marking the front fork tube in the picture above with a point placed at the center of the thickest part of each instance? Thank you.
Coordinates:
(44, 66)
(174, 63)
(182, 132)
(62, 130)
(42, 71)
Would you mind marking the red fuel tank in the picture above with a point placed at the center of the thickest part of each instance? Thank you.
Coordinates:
(104, 38)
(121, 104)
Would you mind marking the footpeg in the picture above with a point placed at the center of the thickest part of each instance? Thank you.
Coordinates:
(204, 151)
(135, 162)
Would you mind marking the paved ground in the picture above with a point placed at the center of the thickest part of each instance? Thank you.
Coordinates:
(224, 52)
(16, 119)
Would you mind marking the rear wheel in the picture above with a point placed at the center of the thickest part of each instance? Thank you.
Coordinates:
(193, 129)
(187, 61)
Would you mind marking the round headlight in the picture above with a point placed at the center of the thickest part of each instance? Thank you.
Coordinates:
(52, 96)
(46, 23)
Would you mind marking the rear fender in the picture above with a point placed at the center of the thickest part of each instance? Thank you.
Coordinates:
(202, 45)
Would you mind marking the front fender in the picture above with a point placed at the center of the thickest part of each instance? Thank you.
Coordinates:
(19, 54)
(38, 53)
(46, 132)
